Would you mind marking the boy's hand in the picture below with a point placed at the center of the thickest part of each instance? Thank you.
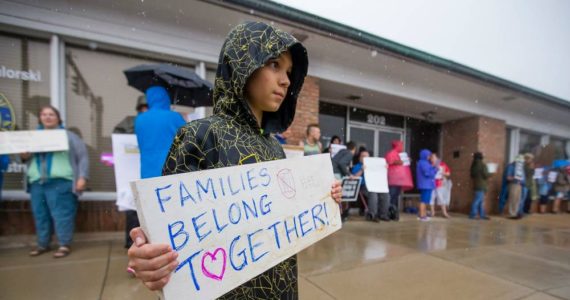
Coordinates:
(152, 263)
(336, 191)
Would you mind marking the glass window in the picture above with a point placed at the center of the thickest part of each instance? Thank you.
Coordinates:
(98, 98)
(24, 87)
(560, 148)
(529, 143)
(332, 121)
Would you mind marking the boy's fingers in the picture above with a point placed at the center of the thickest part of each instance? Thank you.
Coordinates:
(157, 274)
(137, 235)
(157, 263)
(148, 251)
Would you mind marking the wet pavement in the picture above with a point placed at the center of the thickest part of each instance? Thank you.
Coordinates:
(441, 259)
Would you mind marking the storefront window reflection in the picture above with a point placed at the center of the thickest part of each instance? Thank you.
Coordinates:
(24, 87)
(98, 98)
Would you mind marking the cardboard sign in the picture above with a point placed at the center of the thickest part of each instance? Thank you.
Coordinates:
(376, 174)
(33, 141)
(552, 175)
(335, 148)
(292, 151)
(538, 173)
(404, 158)
(126, 158)
(229, 225)
(350, 188)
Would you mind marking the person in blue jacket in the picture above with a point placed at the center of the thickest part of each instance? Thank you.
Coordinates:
(155, 131)
(425, 175)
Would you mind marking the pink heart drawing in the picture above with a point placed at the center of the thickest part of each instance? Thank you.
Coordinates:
(214, 257)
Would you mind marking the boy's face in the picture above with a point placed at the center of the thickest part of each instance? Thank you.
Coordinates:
(267, 87)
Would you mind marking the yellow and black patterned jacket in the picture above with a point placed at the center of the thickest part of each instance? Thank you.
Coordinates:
(232, 136)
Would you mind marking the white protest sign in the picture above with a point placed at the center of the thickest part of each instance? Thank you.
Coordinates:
(126, 157)
(404, 158)
(552, 176)
(292, 151)
(229, 225)
(335, 148)
(538, 173)
(376, 174)
(33, 141)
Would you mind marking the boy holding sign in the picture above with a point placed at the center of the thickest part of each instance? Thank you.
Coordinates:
(260, 74)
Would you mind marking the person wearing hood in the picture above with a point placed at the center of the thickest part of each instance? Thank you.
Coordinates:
(399, 176)
(260, 73)
(55, 180)
(479, 175)
(155, 130)
(425, 174)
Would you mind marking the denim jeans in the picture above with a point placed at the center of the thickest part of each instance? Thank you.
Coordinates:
(477, 206)
(54, 204)
(395, 195)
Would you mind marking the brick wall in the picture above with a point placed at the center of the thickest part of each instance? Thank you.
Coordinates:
(307, 110)
(461, 138)
(92, 216)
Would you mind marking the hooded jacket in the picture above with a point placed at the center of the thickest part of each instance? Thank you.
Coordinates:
(155, 130)
(425, 172)
(233, 137)
(398, 175)
(479, 173)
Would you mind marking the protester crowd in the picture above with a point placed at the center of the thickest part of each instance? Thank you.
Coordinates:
(169, 145)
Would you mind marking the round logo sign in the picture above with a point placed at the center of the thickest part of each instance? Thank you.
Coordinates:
(7, 116)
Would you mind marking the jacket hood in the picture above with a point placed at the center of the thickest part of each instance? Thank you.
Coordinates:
(247, 48)
(157, 98)
(397, 145)
(424, 154)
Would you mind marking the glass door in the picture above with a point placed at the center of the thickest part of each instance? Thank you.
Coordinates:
(377, 139)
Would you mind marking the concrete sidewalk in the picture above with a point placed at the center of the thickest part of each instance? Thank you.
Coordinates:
(441, 259)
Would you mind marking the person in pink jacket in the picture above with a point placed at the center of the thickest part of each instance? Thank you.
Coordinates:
(399, 176)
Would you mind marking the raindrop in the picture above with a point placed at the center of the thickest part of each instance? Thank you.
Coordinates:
(532, 112)
(359, 34)
(142, 0)
(133, 29)
(251, 11)
(476, 101)
(374, 53)
(402, 83)
(272, 23)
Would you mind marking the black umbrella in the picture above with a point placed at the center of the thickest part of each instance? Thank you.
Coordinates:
(184, 85)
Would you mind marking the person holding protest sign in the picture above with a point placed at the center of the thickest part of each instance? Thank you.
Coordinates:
(399, 176)
(260, 74)
(56, 179)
